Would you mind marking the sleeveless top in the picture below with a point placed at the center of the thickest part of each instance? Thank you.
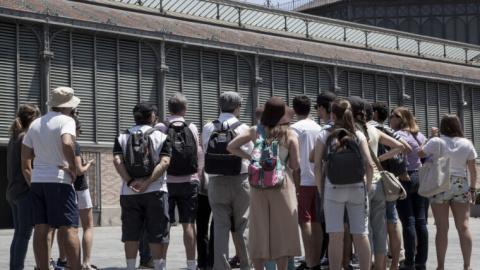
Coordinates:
(17, 185)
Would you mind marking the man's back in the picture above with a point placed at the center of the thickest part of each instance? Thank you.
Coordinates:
(307, 132)
(44, 137)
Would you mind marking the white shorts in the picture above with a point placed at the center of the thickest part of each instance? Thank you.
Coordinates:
(338, 198)
(84, 200)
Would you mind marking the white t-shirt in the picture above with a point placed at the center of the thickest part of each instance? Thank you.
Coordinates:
(307, 132)
(460, 150)
(323, 138)
(45, 138)
(161, 147)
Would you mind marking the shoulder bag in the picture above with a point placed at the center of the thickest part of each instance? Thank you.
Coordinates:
(392, 187)
(435, 175)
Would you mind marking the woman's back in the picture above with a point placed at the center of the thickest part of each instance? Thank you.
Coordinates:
(17, 186)
(458, 149)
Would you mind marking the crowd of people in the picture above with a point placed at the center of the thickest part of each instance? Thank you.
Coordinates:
(267, 185)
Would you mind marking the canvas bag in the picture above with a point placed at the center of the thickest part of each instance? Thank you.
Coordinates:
(435, 175)
(266, 170)
(392, 187)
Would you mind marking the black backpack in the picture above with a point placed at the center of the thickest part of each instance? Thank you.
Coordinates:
(343, 167)
(217, 159)
(139, 159)
(396, 164)
(184, 149)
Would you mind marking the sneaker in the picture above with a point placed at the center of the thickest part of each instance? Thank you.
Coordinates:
(147, 265)
(234, 262)
(324, 261)
(349, 267)
(55, 266)
(302, 266)
(354, 258)
(61, 263)
(316, 267)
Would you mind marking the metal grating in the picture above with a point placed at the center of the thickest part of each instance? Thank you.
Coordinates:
(294, 23)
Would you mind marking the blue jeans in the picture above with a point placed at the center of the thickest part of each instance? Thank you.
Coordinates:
(411, 212)
(23, 232)
(144, 248)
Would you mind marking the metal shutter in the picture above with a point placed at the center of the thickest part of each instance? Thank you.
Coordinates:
(381, 89)
(444, 96)
(312, 88)
(210, 87)
(83, 83)
(280, 80)
(432, 106)
(8, 61)
(60, 64)
(245, 89)
(173, 78)
(149, 78)
(129, 88)
(107, 98)
(421, 105)
(454, 99)
(296, 82)
(265, 88)
(394, 93)
(343, 82)
(191, 85)
(354, 84)
(468, 114)
(325, 81)
(29, 77)
(228, 72)
(410, 92)
(369, 87)
(476, 116)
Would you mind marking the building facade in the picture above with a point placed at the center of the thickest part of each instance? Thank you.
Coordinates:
(115, 55)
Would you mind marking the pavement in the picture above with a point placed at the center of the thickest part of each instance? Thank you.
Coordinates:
(108, 253)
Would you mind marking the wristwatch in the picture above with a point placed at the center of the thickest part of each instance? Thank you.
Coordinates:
(130, 181)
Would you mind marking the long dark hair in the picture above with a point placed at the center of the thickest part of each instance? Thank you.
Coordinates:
(25, 116)
(450, 126)
(342, 109)
(360, 117)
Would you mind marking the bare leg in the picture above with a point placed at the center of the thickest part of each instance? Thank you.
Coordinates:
(61, 245)
(461, 213)
(335, 250)
(440, 214)
(157, 250)
(317, 235)
(395, 244)
(189, 240)
(72, 246)
(42, 245)
(131, 249)
(258, 264)
(86, 216)
(362, 247)
(347, 246)
(310, 242)
(282, 263)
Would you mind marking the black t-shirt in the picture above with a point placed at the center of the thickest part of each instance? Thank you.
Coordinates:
(81, 182)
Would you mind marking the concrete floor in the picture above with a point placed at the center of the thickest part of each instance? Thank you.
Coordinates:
(108, 251)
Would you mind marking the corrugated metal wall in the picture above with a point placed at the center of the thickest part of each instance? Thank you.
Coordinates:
(111, 75)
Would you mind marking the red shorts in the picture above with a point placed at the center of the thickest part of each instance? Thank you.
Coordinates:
(306, 198)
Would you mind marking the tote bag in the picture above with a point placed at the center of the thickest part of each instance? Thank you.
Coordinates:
(435, 175)
(392, 188)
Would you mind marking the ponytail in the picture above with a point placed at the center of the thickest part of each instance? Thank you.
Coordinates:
(25, 116)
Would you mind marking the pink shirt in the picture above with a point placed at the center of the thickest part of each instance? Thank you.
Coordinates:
(193, 128)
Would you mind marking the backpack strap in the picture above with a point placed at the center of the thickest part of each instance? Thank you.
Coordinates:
(261, 132)
(150, 131)
(217, 125)
(235, 125)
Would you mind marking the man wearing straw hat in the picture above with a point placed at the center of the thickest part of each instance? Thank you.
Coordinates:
(50, 143)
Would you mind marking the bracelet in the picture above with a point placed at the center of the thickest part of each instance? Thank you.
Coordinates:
(472, 189)
(130, 181)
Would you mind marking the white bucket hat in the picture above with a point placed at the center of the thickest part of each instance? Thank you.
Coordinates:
(62, 97)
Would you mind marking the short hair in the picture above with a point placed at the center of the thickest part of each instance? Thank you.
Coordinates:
(142, 112)
(177, 103)
(382, 110)
(450, 126)
(229, 101)
(325, 100)
(301, 105)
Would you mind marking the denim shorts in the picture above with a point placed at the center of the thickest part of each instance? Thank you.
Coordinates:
(53, 204)
(458, 192)
(391, 212)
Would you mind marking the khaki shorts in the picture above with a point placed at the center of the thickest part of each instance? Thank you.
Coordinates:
(458, 192)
